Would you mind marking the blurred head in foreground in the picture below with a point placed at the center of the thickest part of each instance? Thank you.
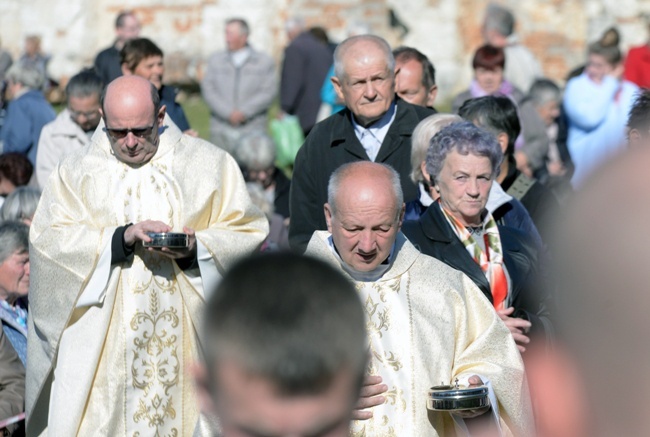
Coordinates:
(285, 349)
(603, 308)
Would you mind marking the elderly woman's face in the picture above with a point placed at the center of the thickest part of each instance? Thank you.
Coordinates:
(14, 276)
(464, 185)
(489, 79)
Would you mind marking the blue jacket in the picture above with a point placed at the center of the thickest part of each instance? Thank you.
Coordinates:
(26, 116)
(175, 111)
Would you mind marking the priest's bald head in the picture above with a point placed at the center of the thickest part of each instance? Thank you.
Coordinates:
(132, 114)
(364, 212)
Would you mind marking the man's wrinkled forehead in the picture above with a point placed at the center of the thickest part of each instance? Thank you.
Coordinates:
(353, 64)
(366, 51)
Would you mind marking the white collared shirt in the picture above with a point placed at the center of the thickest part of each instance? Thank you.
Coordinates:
(372, 137)
(240, 56)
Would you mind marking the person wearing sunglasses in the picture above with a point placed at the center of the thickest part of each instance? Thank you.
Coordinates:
(116, 319)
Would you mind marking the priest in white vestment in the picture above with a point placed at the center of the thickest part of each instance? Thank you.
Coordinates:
(427, 323)
(112, 324)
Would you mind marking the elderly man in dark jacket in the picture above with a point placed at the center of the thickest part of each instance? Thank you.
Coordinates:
(375, 126)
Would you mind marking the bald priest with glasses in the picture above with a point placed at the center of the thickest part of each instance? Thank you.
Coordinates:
(112, 319)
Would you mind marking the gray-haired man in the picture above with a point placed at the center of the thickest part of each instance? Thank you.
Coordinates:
(427, 323)
(375, 126)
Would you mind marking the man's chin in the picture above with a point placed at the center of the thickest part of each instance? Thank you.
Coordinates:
(365, 265)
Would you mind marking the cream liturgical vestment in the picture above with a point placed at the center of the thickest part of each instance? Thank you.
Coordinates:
(428, 324)
(109, 344)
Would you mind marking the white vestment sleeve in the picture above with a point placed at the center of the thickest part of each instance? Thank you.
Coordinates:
(95, 290)
(209, 277)
(460, 423)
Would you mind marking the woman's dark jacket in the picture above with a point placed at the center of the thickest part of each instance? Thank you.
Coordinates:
(530, 294)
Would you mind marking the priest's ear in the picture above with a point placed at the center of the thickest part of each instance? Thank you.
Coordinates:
(401, 215)
(161, 114)
(328, 216)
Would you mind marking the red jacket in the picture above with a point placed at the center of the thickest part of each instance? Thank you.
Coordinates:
(637, 66)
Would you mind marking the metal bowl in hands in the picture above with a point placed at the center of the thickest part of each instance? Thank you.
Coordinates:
(456, 398)
(171, 240)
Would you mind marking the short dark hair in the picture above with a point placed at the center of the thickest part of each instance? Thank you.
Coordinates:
(83, 84)
(155, 99)
(489, 57)
(137, 50)
(243, 25)
(291, 319)
(404, 54)
(16, 167)
(639, 116)
(121, 17)
(495, 113)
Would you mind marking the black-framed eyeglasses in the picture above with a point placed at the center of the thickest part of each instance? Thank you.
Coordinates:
(120, 134)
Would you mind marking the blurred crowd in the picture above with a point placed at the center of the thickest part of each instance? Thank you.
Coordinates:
(464, 233)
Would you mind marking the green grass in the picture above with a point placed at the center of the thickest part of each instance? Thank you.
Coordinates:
(198, 115)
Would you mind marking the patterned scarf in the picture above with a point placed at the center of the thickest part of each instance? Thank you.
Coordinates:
(490, 261)
(19, 314)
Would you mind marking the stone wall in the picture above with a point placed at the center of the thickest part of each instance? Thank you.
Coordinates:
(557, 31)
